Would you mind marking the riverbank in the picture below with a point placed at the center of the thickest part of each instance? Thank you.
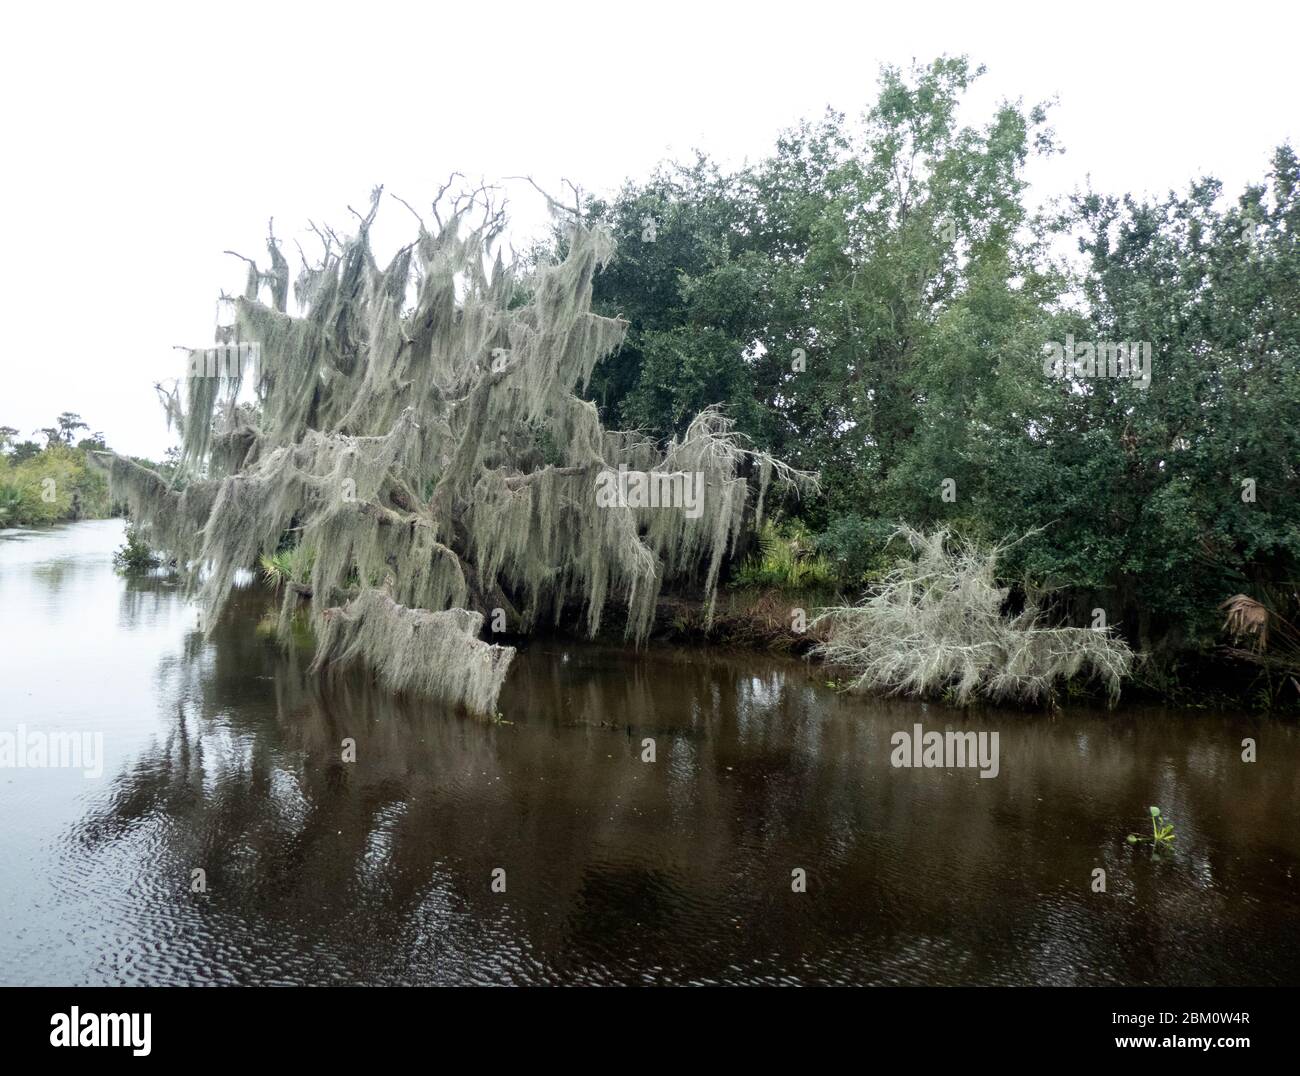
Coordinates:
(773, 621)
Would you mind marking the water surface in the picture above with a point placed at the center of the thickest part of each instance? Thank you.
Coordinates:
(226, 756)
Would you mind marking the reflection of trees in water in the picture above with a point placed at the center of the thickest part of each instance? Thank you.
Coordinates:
(380, 869)
(61, 574)
(145, 596)
(249, 784)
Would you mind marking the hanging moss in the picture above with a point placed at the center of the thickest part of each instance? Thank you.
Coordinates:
(415, 650)
(440, 451)
(936, 624)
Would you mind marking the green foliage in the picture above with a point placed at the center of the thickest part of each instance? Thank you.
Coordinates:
(292, 564)
(842, 296)
(50, 486)
(23, 451)
(1161, 832)
(12, 505)
(681, 278)
(135, 555)
(786, 560)
(872, 300)
(1146, 486)
(854, 546)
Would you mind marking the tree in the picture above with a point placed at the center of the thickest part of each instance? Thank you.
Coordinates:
(64, 429)
(436, 458)
(678, 278)
(1169, 499)
(854, 295)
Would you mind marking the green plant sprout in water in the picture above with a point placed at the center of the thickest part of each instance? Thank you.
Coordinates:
(1161, 834)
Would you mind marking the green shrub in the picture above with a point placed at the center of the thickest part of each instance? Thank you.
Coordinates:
(50, 487)
(786, 560)
(135, 555)
(289, 565)
(855, 548)
(12, 506)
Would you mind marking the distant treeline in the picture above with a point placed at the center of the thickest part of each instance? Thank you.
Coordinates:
(54, 482)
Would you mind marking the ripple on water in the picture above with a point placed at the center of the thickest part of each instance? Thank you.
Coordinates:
(225, 756)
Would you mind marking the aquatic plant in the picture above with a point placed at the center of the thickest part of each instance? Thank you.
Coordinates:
(935, 626)
(419, 424)
(1161, 833)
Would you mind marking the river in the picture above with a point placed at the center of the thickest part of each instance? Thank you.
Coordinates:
(227, 757)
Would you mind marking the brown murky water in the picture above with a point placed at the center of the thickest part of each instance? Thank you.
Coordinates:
(226, 757)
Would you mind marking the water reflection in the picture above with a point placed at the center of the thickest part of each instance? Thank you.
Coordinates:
(618, 870)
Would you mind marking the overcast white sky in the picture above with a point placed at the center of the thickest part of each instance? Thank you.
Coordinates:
(140, 141)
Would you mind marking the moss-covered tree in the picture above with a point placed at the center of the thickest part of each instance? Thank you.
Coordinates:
(419, 427)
